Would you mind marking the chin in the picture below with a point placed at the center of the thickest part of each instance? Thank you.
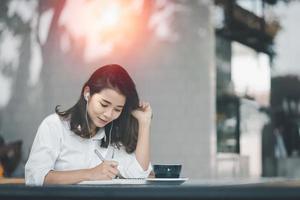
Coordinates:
(99, 125)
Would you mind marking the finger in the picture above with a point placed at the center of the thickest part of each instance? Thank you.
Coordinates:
(114, 170)
(107, 177)
(146, 104)
(111, 163)
(107, 173)
(143, 105)
(111, 175)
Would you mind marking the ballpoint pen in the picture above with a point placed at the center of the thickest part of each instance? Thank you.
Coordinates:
(99, 155)
(103, 159)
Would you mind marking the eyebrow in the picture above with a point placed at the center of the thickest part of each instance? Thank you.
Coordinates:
(120, 106)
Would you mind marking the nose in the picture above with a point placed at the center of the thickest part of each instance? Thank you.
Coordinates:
(108, 113)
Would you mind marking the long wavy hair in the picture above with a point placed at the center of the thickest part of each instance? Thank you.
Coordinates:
(125, 128)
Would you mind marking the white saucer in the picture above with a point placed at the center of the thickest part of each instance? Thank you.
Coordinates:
(176, 181)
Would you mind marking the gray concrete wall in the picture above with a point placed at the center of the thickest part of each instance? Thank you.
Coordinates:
(176, 76)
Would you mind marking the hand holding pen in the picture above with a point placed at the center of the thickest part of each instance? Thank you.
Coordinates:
(106, 170)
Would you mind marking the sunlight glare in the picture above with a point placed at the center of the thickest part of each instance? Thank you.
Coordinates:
(100, 26)
(111, 16)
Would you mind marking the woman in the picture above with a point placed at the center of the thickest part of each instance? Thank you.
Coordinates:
(104, 135)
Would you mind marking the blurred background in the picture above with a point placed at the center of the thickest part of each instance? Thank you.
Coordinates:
(222, 77)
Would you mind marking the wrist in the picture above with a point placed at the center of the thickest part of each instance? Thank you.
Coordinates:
(87, 174)
(144, 130)
(144, 123)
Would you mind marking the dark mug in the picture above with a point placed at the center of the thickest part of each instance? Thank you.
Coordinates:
(167, 171)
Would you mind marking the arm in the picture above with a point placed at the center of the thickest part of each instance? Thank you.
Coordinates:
(107, 170)
(142, 152)
(66, 177)
(44, 152)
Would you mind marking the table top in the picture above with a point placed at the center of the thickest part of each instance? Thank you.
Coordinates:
(193, 189)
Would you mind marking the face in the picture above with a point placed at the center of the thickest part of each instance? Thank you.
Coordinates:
(105, 106)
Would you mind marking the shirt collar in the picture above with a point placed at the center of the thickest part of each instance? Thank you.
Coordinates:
(99, 135)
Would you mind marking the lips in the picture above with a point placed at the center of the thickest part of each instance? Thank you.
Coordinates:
(101, 120)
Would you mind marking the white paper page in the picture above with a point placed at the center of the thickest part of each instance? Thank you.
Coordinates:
(133, 181)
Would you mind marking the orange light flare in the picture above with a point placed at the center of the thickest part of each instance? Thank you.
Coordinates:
(113, 22)
(116, 23)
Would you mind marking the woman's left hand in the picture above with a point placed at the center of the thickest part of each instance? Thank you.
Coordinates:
(143, 114)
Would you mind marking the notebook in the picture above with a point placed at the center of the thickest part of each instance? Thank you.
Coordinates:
(130, 181)
(137, 181)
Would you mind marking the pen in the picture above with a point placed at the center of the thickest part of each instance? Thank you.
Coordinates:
(103, 159)
(99, 155)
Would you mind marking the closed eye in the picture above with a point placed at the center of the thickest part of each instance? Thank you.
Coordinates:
(103, 105)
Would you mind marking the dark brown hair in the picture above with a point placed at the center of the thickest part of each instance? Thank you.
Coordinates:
(125, 127)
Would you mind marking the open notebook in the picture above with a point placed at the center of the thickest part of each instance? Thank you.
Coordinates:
(135, 181)
(132, 181)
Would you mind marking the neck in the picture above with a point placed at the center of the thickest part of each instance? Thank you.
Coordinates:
(93, 129)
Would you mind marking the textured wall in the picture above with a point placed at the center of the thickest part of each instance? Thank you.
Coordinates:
(175, 73)
(179, 80)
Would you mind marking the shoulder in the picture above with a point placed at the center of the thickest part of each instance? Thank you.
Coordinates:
(53, 126)
(54, 120)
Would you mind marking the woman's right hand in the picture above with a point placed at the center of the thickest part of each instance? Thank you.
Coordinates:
(107, 170)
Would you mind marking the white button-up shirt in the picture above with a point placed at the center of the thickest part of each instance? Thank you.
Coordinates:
(56, 147)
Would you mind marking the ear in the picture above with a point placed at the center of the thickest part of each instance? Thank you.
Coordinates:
(86, 92)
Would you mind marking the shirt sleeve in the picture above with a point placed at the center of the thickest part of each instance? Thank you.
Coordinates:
(44, 152)
(129, 167)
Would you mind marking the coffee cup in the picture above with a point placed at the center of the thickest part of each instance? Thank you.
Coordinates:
(167, 171)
